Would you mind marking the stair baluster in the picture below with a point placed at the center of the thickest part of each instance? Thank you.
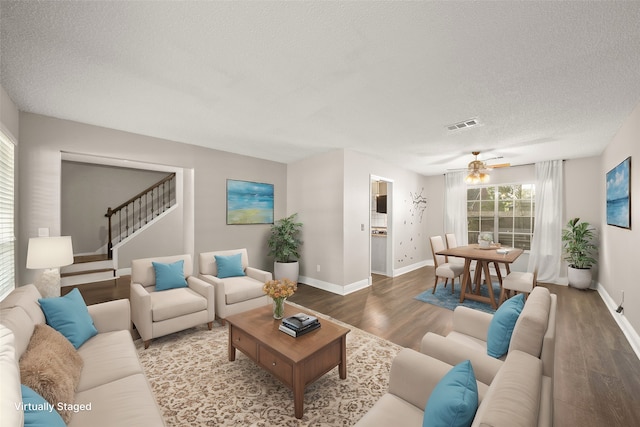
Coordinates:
(149, 206)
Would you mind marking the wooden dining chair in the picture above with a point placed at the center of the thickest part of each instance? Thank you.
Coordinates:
(444, 269)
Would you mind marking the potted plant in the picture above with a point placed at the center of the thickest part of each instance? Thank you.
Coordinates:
(578, 241)
(283, 245)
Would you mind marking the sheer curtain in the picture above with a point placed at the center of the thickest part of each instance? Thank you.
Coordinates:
(546, 247)
(455, 206)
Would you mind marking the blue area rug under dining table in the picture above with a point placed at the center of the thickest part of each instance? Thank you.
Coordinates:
(444, 298)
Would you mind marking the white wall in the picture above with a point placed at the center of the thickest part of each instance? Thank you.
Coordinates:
(9, 115)
(331, 193)
(315, 190)
(44, 138)
(583, 198)
(620, 248)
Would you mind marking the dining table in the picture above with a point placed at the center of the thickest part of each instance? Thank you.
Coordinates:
(483, 256)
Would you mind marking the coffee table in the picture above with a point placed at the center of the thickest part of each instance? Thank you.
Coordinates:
(296, 362)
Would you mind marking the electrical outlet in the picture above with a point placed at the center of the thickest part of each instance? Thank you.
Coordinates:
(620, 308)
(318, 268)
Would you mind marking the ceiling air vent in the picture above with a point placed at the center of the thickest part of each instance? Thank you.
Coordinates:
(463, 125)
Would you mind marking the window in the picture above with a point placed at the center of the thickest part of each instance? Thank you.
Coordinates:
(7, 237)
(505, 211)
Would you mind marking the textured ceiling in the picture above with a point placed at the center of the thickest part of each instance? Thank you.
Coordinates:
(286, 80)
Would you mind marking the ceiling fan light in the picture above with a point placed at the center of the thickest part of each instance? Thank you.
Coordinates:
(477, 177)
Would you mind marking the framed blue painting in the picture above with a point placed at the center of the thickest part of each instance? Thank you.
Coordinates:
(249, 202)
(619, 195)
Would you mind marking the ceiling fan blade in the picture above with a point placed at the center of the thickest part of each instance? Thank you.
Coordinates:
(499, 165)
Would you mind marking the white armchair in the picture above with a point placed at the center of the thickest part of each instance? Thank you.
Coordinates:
(234, 294)
(158, 313)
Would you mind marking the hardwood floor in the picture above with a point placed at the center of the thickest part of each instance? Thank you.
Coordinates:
(597, 373)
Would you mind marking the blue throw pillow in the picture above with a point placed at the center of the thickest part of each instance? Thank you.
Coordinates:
(37, 411)
(69, 316)
(229, 266)
(502, 324)
(454, 400)
(169, 276)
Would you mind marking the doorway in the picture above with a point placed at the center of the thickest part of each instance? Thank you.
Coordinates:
(381, 226)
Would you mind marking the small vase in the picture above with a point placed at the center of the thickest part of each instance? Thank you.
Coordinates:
(278, 308)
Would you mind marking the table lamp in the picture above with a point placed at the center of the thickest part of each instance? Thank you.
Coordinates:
(49, 253)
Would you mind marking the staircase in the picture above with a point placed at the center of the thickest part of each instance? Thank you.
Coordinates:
(88, 269)
(140, 210)
(124, 221)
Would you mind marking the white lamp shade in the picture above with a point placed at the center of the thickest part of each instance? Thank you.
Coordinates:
(49, 252)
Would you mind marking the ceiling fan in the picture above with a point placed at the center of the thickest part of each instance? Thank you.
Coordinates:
(478, 169)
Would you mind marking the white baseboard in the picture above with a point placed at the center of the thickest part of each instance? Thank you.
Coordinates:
(408, 268)
(629, 332)
(124, 271)
(333, 288)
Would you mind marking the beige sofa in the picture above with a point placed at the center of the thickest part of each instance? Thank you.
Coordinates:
(519, 394)
(111, 380)
(534, 333)
(234, 294)
(156, 314)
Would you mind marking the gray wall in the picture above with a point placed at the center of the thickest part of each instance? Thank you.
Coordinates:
(619, 248)
(42, 139)
(88, 190)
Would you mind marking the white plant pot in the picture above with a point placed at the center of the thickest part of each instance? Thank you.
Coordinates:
(286, 270)
(579, 277)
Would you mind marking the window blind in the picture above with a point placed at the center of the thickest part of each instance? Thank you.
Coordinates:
(7, 215)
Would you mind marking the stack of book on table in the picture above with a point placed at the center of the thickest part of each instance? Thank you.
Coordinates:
(299, 324)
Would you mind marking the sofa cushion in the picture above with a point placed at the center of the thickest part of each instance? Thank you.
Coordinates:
(112, 349)
(454, 400)
(391, 410)
(513, 399)
(37, 411)
(20, 324)
(26, 297)
(10, 384)
(532, 323)
(174, 303)
(69, 316)
(169, 276)
(229, 265)
(51, 366)
(502, 325)
(125, 402)
(238, 289)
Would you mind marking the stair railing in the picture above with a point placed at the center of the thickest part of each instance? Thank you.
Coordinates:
(132, 215)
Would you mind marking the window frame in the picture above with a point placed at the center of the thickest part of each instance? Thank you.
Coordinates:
(8, 148)
(495, 217)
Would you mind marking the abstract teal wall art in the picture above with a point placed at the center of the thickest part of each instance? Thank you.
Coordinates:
(249, 202)
(619, 195)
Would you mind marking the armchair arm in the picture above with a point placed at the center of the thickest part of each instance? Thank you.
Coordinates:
(259, 275)
(485, 367)
(111, 316)
(141, 310)
(207, 291)
(218, 285)
(471, 322)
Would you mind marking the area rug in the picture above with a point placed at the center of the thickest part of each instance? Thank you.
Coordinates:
(195, 384)
(444, 298)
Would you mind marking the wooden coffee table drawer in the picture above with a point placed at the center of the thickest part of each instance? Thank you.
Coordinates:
(244, 342)
(275, 364)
